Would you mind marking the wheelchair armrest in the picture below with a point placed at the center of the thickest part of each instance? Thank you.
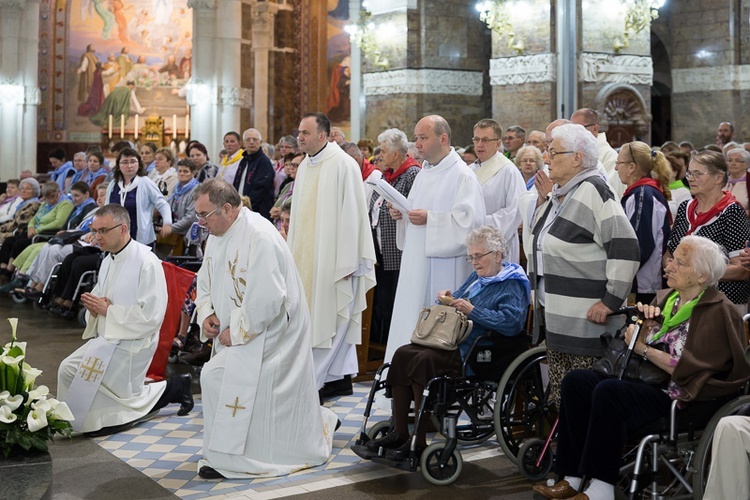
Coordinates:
(40, 237)
(487, 335)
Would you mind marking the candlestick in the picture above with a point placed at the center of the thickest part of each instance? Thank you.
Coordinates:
(122, 126)
(187, 126)
(109, 130)
(174, 126)
(136, 126)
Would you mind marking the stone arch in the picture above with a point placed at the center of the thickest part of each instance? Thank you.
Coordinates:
(626, 113)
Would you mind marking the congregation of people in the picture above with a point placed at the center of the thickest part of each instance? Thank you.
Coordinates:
(294, 235)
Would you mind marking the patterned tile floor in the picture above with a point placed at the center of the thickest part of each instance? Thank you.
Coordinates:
(167, 449)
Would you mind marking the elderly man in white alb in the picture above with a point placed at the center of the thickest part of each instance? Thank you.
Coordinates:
(260, 404)
(502, 184)
(446, 204)
(331, 241)
(103, 382)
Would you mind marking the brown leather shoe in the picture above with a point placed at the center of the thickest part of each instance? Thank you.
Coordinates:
(559, 490)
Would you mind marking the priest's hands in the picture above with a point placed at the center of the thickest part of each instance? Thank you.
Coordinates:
(418, 217)
(97, 306)
(224, 338)
(395, 214)
(210, 326)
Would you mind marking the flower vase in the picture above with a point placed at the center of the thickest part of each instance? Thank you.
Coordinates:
(26, 475)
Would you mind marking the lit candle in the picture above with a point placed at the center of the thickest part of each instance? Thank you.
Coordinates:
(174, 126)
(187, 126)
(122, 126)
(136, 127)
(109, 130)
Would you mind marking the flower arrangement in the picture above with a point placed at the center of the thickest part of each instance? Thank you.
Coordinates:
(28, 417)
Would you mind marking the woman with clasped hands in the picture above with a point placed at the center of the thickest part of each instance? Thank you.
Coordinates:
(703, 351)
(495, 297)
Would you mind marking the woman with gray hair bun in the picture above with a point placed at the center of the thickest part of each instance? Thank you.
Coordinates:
(584, 256)
(399, 171)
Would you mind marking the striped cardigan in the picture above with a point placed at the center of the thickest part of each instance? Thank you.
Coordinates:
(589, 254)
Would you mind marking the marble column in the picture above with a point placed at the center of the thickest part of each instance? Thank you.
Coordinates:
(19, 93)
(216, 95)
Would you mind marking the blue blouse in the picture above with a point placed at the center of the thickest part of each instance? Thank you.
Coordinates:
(501, 307)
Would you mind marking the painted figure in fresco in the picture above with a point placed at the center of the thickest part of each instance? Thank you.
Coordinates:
(171, 67)
(86, 72)
(110, 74)
(107, 18)
(122, 23)
(96, 94)
(121, 101)
(186, 64)
(161, 10)
(125, 62)
(339, 106)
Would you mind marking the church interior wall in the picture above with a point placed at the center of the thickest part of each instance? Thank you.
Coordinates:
(529, 105)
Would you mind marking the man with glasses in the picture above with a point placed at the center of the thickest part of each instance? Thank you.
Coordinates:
(255, 174)
(103, 382)
(260, 404)
(331, 241)
(447, 203)
(502, 184)
(589, 119)
(513, 140)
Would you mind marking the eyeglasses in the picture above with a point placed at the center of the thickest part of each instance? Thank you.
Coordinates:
(697, 174)
(473, 258)
(203, 217)
(483, 140)
(95, 232)
(251, 139)
(132, 161)
(553, 153)
(589, 125)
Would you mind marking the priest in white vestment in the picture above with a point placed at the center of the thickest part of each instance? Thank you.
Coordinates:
(446, 204)
(331, 241)
(260, 403)
(502, 184)
(103, 381)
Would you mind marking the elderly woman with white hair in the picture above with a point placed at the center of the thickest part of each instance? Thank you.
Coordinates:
(584, 257)
(700, 344)
(738, 162)
(399, 171)
(529, 160)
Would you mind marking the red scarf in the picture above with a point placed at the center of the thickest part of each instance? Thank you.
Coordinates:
(367, 169)
(643, 181)
(697, 220)
(392, 175)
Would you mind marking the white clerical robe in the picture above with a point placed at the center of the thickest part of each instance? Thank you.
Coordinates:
(260, 404)
(133, 280)
(502, 185)
(434, 255)
(608, 159)
(331, 241)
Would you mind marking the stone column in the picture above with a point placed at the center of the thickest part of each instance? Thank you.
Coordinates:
(19, 93)
(437, 53)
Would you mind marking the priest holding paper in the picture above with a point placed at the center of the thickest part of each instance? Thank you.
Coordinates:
(260, 402)
(502, 184)
(103, 382)
(330, 239)
(446, 204)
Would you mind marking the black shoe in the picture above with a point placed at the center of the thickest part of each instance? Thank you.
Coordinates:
(186, 399)
(341, 387)
(62, 312)
(390, 440)
(403, 452)
(207, 472)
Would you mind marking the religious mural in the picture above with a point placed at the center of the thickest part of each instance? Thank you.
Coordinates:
(339, 65)
(126, 59)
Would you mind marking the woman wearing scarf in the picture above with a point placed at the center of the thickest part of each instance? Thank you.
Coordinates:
(700, 344)
(495, 297)
(183, 206)
(96, 171)
(400, 171)
(716, 215)
(11, 201)
(291, 164)
(645, 172)
(28, 190)
(139, 195)
(738, 161)
(584, 256)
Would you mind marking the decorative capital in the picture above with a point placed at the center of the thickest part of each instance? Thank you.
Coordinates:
(611, 68)
(12, 4)
(423, 81)
(235, 96)
(13, 94)
(202, 4)
(518, 70)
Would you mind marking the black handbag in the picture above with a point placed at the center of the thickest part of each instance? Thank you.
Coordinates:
(67, 237)
(615, 352)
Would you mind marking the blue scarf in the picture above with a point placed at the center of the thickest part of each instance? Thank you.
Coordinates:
(78, 175)
(77, 210)
(92, 176)
(510, 271)
(181, 189)
(61, 173)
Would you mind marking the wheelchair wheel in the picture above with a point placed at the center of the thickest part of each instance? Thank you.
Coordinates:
(470, 432)
(82, 316)
(521, 410)
(436, 473)
(528, 456)
(18, 298)
(702, 458)
(379, 429)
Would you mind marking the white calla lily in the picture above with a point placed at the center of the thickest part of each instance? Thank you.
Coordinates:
(13, 402)
(41, 404)
(62, 412)
(6, 415)
(13, 327)
(30, 375)
(36, 420)
(4, 395)
(38, 393)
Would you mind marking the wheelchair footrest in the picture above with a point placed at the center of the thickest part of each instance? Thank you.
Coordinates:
(409, 465)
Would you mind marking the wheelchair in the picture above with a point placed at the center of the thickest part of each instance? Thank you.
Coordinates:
(85, 284)
(461, 408)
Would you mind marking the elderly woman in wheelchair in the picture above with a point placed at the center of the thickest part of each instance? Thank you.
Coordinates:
(496, 298)
(694, 334)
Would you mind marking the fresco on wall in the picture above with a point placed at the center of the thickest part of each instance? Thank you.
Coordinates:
(339, 65)
(126, 57)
